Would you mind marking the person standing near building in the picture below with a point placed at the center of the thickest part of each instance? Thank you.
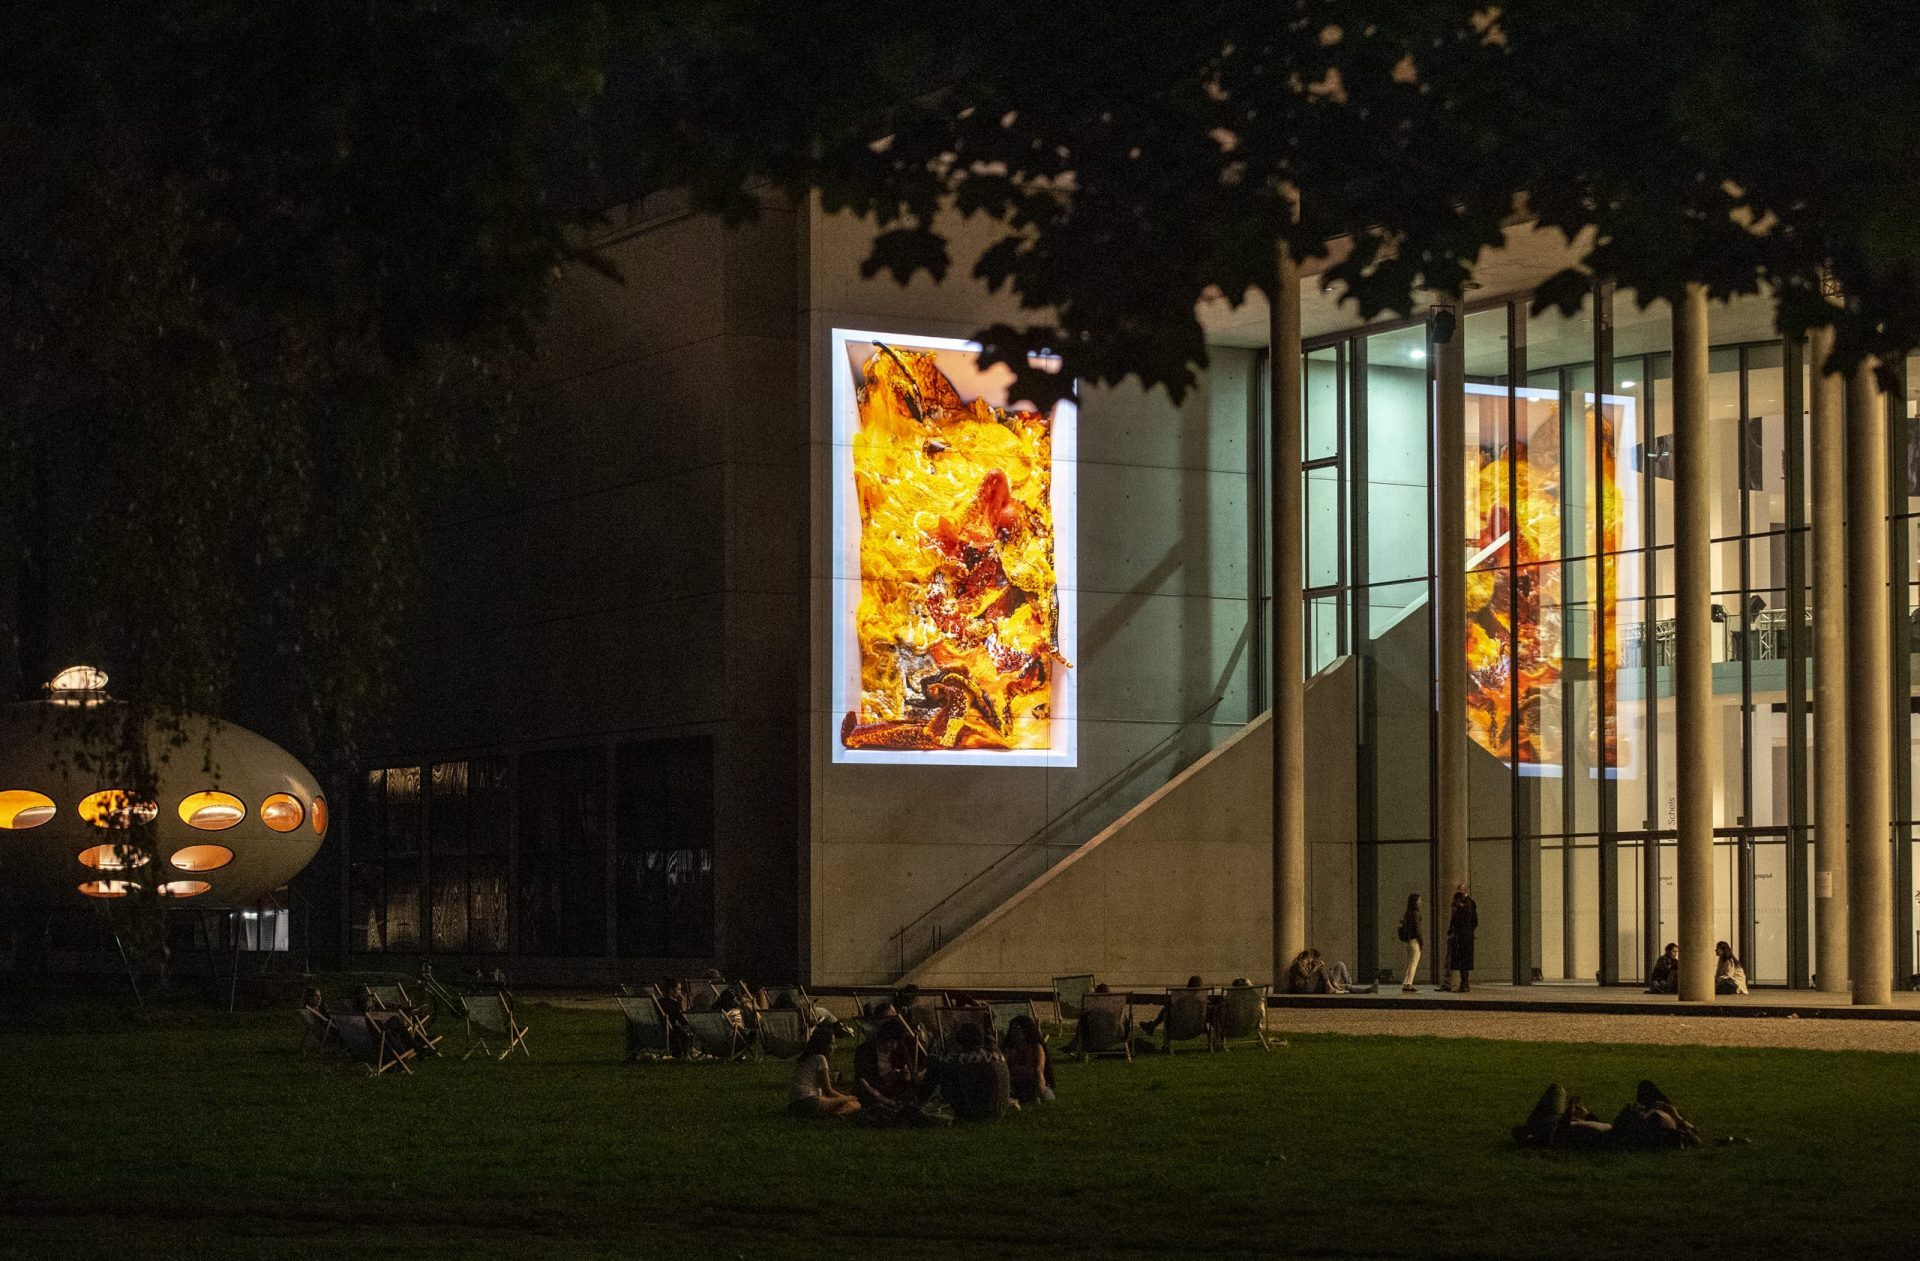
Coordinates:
(1410, 937)
(1462, 920)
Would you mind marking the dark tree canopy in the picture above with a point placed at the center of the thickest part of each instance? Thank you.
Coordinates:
(266, 272)
(1138, 157)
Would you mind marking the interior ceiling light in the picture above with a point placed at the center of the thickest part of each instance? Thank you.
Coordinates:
(282, 812)
(20, 809)
(212, 811)
(78, 685)
(116, 808)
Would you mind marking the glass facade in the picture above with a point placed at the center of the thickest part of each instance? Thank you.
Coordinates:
(586, 852)
(1567, 541)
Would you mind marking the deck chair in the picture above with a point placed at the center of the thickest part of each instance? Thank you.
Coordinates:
(647, 1030)
(701, 994)
(947, 1021)
(923, 1017)
(367, 1045)
(1006, 1011)
(716, 1036)
(394, 998)
(784, 1033)
(797, 998)
(1067, 993)
(1105, 1026)
(631, 989)
(1243, 1016)
(491, 1016)
(316, 1032)
(1187, 1015)
(446, 1003)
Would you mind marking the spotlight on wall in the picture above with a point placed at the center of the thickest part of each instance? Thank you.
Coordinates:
(1628, 385)
(1416, 354)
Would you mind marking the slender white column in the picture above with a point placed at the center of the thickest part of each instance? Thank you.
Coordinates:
(1450, 611)
(1869, 707)
(1693, 662)
(1827, 493)
(1288, 632)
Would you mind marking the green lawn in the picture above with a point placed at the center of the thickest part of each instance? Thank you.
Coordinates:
(190, 1133)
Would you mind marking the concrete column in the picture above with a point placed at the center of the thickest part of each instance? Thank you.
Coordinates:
(1450, 610)
(1693, 665)
(1827, 490)
(1288, 631)
(1869, 709)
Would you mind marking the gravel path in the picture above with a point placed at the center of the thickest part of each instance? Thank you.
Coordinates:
(1809, 1033)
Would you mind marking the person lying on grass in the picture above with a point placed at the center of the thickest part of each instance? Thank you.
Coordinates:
(1649, 1123)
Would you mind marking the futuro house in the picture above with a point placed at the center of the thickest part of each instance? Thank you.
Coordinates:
(237, 815)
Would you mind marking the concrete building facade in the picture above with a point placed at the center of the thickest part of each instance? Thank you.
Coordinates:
(616, 755)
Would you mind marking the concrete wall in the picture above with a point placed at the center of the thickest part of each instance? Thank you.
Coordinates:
(1182, 883)
(639, 570)
(1162, 655)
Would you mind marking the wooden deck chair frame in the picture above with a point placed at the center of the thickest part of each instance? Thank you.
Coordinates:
(1068, 991)
(648, 1030)
(365, 1042)
(446, 1003)
(717, 1037)
(508, 1028)
(1232, 998)
(1124, 1046)
(1178, 1026)
(394, 998)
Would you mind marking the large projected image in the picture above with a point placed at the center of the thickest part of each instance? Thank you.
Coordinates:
(1541, 557)
(954, 551)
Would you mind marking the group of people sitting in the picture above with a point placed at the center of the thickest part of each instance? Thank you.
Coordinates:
(739, 1004)
(403, 1030)
(979, 1075)
(1729, 974)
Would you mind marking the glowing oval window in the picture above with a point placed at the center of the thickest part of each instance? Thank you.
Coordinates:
(184, 888)
(117, 808)
(319, 816)
(212, 811)
(108, 888)
(111, 858)
(202, 857)
(282, 812)
(20, 809)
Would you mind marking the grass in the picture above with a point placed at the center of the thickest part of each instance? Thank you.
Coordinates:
(188, 1132)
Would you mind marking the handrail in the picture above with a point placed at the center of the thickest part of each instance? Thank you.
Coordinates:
(1051, 826)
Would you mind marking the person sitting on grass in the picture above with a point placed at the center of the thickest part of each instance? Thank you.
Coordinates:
(1729, 974)
(886, 1075)
(1665, 977)
(976, 1080)
(1029, 1070)
(813, 1094)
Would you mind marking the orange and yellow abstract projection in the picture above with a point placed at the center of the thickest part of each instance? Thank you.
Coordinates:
(1520, 559)
(957, 619)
